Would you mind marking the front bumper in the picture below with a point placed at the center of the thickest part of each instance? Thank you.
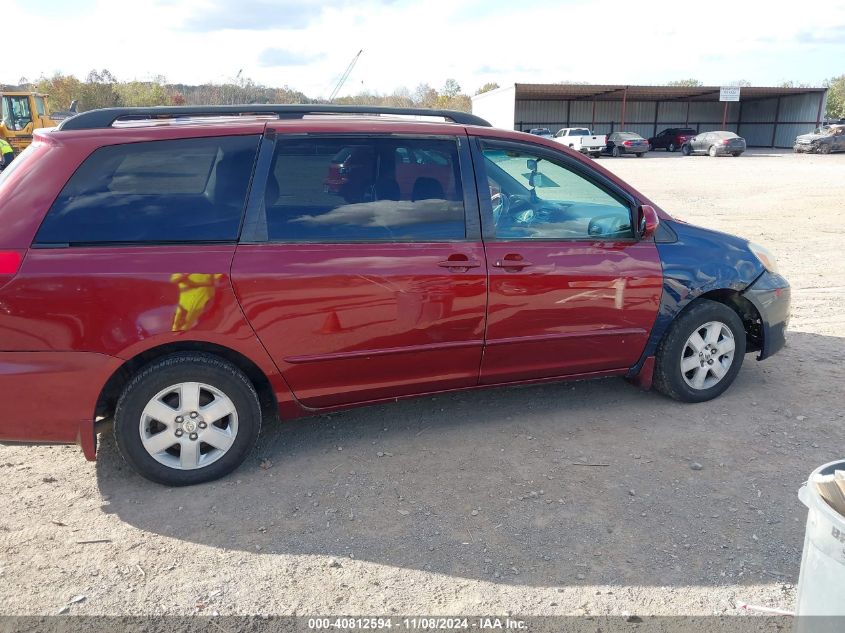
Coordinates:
(805, 148)
(770, 294)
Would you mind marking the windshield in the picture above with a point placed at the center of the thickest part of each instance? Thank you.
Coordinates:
(7, 173)
(629, 136)
(824, 131)
(725, 135)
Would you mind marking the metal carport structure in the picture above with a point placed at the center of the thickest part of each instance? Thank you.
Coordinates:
(765, 117)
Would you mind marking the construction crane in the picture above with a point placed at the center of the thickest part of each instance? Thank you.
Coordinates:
(345, 76)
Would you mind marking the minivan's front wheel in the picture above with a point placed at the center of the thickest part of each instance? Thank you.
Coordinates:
(701, 353)
(186, 419)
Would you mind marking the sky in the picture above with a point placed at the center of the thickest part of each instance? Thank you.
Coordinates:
(308, 45)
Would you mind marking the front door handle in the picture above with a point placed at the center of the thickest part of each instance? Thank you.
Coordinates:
(459, 262)
(514, 262)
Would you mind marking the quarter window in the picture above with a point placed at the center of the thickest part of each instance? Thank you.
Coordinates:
(534, 197)
(187, 190)
(328, 189)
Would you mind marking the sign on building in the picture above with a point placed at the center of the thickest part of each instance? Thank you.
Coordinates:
(729, 93)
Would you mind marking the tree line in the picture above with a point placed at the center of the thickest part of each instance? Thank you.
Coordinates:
(101, 89)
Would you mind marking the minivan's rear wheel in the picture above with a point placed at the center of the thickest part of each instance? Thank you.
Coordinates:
(701, 353)
(186, 419)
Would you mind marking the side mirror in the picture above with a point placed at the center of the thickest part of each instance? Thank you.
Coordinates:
(647, 221)
(532, 166)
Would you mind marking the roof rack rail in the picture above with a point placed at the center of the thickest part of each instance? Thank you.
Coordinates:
(106, 117)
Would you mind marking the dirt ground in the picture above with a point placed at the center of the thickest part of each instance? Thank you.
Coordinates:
(479, 503)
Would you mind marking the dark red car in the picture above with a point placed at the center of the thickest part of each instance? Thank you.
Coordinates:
(182, 275)
(672, 138)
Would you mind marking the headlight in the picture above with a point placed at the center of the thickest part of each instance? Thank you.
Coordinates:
(765, 256)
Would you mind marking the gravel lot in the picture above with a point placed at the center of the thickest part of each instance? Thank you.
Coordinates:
(481, 503)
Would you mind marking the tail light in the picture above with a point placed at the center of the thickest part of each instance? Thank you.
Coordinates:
(10, 262)
(725, 141)
(627, 143)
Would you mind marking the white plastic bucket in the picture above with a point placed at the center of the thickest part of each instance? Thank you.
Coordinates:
(821, 583)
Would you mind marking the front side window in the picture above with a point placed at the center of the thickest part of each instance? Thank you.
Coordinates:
(186, 190)
(534, 197)
(334, 189)
(39, 106)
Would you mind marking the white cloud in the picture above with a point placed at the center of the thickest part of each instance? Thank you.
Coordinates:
(406, 43)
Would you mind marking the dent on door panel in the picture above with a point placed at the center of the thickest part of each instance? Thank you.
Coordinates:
(579, 307)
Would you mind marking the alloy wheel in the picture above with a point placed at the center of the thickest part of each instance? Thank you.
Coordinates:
(707, 355)
(188, 425)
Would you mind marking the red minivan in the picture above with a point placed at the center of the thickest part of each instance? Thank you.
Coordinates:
(181, 274)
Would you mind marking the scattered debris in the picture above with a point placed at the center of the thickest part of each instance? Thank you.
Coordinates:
(696, 466)
(744, 606)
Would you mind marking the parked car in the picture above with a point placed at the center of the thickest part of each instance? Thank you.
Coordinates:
(719, 143)
(541, 131)
(620, 143)
(582, 140)
(672, 138)
(823, 140)
(184, 283)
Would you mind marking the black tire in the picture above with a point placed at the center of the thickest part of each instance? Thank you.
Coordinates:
(668, 376)
(824, 148)
(596, 154)
(615, 152)
(172, 370)
(671, 147)
(685, 149)
(736, 154)
(639, 154)
(712, 151)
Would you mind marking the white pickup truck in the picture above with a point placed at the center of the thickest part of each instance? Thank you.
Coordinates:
(582, 140)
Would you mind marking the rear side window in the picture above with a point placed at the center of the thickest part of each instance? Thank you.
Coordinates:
(329, 189)
(186, 190)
